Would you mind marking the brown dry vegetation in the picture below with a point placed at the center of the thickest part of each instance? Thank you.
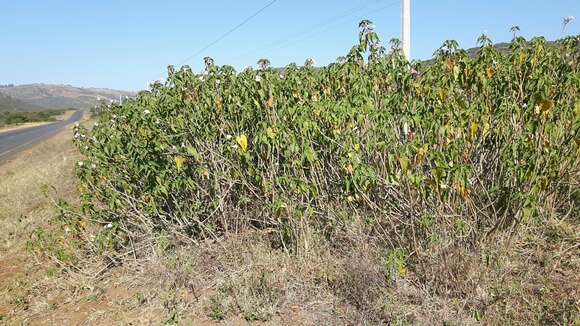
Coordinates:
(531, 276)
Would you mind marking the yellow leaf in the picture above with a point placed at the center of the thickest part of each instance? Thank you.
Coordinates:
(417, 87)
(218, 102)
(473, 128)
(242, 140)
(404, 163)
(522, 57)
(461, 190)
(179, 161)
(349, 169)
(422, 152)
(489, 72)
(486, 127)
(270, 102)
(401, 269)
(450, 63)
(545, 106)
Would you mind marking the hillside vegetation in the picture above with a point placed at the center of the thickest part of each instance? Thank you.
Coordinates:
(383, 191)
(9, 104)
(12, 118)
(48, 96)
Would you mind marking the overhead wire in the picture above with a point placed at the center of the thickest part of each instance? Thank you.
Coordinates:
(319, 28)
(302, 35)
(228, 33)
(309, 29)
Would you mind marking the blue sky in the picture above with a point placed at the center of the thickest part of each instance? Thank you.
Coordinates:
(125, 44)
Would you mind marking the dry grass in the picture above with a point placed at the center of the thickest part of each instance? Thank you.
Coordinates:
(27, 179)
(248, 277)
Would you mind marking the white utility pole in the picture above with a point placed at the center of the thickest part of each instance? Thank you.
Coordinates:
(406, 17)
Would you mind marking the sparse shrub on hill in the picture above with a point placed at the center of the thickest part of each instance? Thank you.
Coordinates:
(458, 149)
(11, 118)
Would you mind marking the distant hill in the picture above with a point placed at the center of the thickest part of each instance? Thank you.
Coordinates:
(9, 104)
(503, 48)
(46, 96)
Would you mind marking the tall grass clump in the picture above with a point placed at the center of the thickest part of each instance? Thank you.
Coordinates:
(414, 153)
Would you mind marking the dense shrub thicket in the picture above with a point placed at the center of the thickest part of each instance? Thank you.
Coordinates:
(462, 144)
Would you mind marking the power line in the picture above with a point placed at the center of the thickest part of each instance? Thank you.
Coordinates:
(334, 22)
(229, 32)
(309, 29)
(327, 27)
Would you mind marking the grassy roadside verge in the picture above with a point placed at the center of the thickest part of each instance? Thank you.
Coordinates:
(24, 182)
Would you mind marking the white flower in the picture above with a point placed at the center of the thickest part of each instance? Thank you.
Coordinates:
(146, 111)
(281, 76)
(258, 78)
(157, 121)
(96, 124)
(109, 225)
(114, 116)
(80, 163)
(228, 137)
(200, 78)
(525, 105)
(93, 166)
(217, 82)
(86, 147)
(174, 147)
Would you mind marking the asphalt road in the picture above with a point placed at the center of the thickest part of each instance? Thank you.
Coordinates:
(15, 140)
